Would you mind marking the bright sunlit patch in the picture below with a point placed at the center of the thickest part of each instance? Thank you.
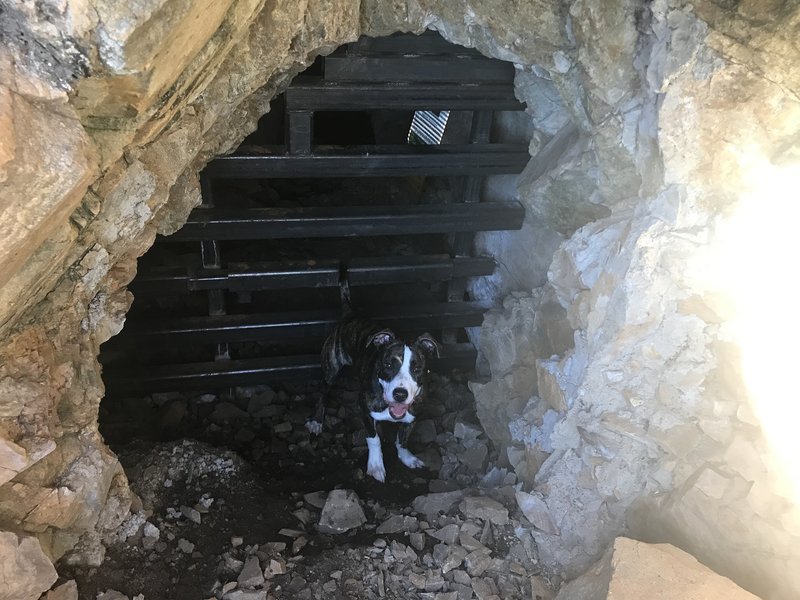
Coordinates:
(757, 254)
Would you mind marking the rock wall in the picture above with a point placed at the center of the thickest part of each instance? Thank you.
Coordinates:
(616, 388)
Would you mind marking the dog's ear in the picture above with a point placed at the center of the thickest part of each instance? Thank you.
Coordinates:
(381, 338)
(428, 344)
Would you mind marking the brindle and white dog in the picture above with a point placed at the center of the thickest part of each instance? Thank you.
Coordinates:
(391, 376)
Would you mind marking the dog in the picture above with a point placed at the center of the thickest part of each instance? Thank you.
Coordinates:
(392, 377)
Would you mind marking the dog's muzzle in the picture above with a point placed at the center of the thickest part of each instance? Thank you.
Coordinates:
(398, 411)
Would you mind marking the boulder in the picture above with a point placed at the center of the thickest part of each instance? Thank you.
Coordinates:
(25, 571)
(632, 570)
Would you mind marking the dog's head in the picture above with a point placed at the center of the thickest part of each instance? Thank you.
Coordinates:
(400, 369)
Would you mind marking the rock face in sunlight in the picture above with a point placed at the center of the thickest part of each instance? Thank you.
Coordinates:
(614, 390)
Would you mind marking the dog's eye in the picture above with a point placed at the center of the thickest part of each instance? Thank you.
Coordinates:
(415, 367)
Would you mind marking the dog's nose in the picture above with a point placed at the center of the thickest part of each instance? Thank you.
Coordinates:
(400, 395)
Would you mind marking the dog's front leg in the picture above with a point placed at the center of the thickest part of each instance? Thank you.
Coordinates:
(403, 453)
(375, 466)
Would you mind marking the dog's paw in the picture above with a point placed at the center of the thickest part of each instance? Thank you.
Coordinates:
(377, 470)
(408, 459)
(314, 427)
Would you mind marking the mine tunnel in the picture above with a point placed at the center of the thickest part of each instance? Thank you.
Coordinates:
(372, 167)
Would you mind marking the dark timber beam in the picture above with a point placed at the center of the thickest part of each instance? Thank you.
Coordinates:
(348, 221)
(273, 327)
(127, 382)
(375, 161)
(321, 273)
(315, 94)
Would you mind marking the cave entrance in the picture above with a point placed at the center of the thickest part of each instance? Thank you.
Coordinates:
(371, 163)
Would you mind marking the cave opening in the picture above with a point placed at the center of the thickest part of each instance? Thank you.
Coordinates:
(376, 166)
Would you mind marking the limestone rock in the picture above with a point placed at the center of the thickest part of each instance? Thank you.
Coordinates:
(251, 575)
(431, 505)
(631, 570)
(66, 591)
(481, 507)
(25, 571)
(536, 511)
(342, 512)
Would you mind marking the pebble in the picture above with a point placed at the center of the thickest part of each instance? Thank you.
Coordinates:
(185, 546)
(251, 575)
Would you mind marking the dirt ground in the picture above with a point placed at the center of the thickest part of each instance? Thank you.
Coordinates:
(232, 512)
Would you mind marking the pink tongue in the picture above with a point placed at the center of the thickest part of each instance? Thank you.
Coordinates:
(397, 410)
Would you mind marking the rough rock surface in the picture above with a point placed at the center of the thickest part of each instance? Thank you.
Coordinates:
(631, 570)
(683, 111)
(342, 512)
(25, 572)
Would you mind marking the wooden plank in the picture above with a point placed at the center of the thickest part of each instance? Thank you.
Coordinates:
(300, 131)
(315, 94)
(418, 69)
(271, 327)
(375, 161)
(348, 221)
(317, 274)
(130, 381)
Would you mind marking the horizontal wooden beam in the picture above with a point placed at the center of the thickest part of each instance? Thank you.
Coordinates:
(156, 334)
(374, 161)
(124, 382)
(348, 221)
(314, 94)
(316, 274)
(451, 69)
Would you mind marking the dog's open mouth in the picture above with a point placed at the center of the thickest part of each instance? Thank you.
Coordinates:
(398, 411)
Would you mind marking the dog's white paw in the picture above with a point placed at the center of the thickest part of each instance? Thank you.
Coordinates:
(375, 466)
(408, 459)
(377, 470)
(314, 427)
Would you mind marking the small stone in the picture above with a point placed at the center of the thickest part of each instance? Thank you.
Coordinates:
(237, 541)
(446, 596)
(447, 534)
(461, 577)
(475, 457)
(434, 582)
(251, 575)
(469, 542)
(299, 544)
(417, 580)
(316, 499)
(112, 595)
(191, 514)
(231, 585)
(185, 546)
(417, 541)
(342, 512)
(393, 524)
(274, 568)
(454, 559)
(481, 507)
(432, 504)
(330, 586)
(292, 533)
(536, 511)
(477, 562)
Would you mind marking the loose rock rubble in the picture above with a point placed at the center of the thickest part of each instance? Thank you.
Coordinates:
(293, 516)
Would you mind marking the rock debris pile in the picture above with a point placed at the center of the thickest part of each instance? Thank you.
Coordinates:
(297, 518)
